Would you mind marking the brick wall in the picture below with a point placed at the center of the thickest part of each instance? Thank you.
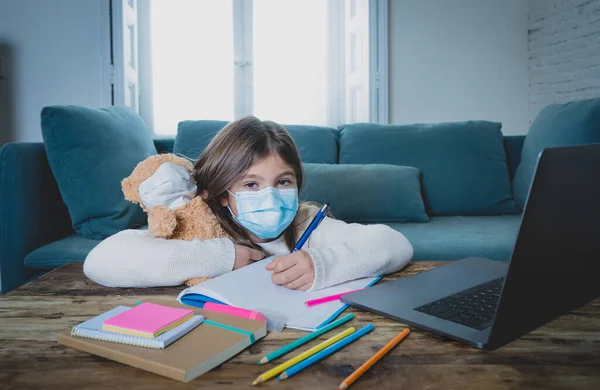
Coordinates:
(564, 51)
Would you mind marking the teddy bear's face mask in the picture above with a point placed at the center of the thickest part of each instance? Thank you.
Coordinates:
(171, 185)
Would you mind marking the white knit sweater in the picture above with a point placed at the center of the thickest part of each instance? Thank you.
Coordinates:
(340, 252)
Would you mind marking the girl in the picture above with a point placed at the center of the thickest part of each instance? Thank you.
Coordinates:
(250, 175)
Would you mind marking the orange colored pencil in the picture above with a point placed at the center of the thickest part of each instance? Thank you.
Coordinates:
(374, 359)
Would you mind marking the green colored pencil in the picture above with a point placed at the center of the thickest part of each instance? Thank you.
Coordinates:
(305, 339)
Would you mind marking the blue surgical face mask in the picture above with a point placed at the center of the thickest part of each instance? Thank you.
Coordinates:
(268, 212)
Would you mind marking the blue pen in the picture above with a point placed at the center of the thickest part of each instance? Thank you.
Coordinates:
(320, 216)
(326, 352)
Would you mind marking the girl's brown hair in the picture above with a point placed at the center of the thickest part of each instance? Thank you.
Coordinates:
(230, 154)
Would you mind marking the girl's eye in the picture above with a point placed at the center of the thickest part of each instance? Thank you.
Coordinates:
(251, 186)
(284, 182)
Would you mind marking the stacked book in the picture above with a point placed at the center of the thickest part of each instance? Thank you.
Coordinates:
(146, 336)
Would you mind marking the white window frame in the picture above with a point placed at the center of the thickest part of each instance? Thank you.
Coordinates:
(122, 70)
(116, 76)
(336, 90)
(145, 57)
(242, 58)
(378, 61)
(107, 65)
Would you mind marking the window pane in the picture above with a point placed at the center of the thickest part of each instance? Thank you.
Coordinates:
(192, 61)
(291, 60)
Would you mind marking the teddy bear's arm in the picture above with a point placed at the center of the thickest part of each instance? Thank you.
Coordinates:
(162, 222)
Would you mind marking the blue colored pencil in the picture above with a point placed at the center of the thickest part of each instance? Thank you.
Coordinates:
(326, 352)
(305, 339)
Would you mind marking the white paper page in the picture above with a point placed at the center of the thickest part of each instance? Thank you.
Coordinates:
(251, 288)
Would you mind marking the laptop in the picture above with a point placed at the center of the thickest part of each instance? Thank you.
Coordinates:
(554, 267)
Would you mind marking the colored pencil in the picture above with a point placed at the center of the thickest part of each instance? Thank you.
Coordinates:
(374, 359)
(326, 352)
(305, 339)
(298, 358)
(335, 297)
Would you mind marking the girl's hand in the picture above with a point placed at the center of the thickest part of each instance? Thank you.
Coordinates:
(295, 271)
(245, 256)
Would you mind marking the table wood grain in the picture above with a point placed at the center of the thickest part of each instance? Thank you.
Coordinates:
(563, 354)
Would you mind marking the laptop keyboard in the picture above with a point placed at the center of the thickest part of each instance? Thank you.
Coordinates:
(474, 307)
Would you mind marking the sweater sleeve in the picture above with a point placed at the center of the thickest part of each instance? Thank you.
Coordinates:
(134, 258)
(343, 252)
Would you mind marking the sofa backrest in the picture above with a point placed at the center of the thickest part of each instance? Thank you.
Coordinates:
(315, 144)
(164, 145)
(513, 144)
(484, 161)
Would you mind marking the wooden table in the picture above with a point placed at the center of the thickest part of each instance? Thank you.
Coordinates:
(564, 354)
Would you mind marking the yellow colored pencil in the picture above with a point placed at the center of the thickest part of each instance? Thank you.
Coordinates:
(374, 359)
(298, 358)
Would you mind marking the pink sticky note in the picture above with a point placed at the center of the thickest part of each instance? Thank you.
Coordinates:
(234, 311)
(147, 318)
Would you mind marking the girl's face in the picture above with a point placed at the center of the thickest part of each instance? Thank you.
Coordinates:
(271, 171)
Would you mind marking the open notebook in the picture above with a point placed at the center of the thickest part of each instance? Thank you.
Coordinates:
(251, 288)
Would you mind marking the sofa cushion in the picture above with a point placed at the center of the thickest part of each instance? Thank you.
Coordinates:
(315, 144)
(463, 164)
(556, 125)
(90, 151)
(70, 249)
(366, 193)
(454, 238)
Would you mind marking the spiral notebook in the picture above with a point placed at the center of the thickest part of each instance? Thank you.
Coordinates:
(92, 329)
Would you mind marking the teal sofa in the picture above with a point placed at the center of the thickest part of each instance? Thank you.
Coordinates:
(467, 174)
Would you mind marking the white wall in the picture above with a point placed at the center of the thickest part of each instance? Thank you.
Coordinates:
(55, 58)
(564, 50)
(459, 60)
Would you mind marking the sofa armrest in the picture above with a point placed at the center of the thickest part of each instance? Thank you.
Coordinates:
(32, 212)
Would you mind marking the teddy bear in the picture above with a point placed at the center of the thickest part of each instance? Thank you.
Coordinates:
(163, 186)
